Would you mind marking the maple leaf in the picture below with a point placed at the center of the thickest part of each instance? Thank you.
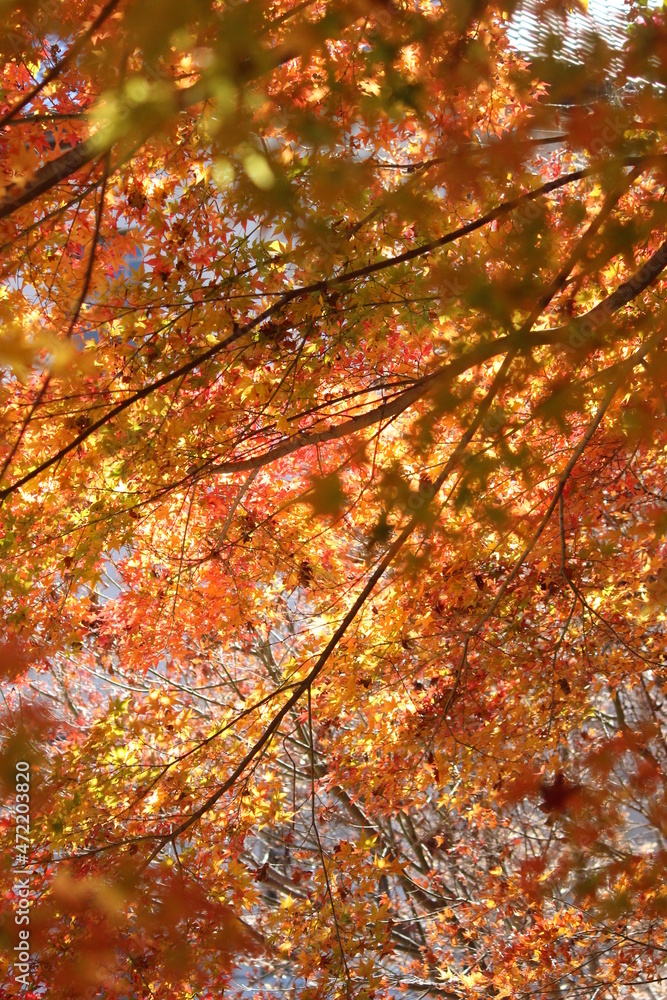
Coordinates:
(326, 495)
(381, 532)
(560, 795)
(15, 658)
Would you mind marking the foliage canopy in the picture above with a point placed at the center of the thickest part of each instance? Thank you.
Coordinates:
(333, 508)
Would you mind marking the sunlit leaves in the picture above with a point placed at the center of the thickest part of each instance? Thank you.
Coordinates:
(333, 702)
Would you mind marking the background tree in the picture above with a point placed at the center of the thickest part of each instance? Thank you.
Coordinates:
(333, 514)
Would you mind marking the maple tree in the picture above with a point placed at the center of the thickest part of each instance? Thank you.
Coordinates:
(333, 500)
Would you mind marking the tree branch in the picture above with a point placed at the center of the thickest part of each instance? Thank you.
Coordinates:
(305, 685)
(292, 294)
(56, 70)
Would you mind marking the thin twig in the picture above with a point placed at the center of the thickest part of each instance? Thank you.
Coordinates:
(319, 844)
(72, 323)
(57, 69)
